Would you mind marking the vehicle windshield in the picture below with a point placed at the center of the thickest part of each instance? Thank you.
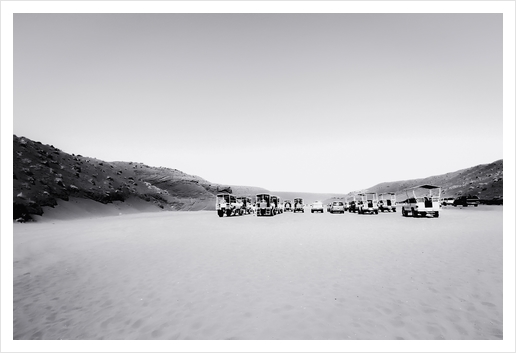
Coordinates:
(338, 204)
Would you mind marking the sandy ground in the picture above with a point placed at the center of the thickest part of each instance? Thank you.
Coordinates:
(193, 275)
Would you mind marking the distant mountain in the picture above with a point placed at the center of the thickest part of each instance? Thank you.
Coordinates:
(308, 197)
(42, 174)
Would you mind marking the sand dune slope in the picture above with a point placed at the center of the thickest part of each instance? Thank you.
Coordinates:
(192, 275)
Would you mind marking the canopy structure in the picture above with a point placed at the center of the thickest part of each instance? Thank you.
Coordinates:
(425, 186)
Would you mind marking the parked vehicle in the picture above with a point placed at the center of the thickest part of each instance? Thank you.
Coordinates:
(247, 204)
(337, 206)
(317, 206)
(276, 205)
(387, 202)
(466, 201)
(227, 204)
(287, 206)
(368, 203)
(352, 203)
(264, 205)
(447, 201)
(298, 205)
(422, 200)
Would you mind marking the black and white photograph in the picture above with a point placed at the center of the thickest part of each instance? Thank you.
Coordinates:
(258, 176)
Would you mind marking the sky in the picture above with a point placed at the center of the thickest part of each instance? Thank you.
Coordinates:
(311, 102)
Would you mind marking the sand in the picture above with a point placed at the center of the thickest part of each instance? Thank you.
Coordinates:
(195, 276)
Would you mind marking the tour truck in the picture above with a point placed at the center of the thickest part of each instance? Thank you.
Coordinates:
(229, 205)
(368, 203)
(422, 200)
(352, 203)
(387, 202)
(298, 205)
(287, 205)
(264, 205)
(275, 204)
(247, 204)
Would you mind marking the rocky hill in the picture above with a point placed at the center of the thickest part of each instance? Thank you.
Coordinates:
(42, 174)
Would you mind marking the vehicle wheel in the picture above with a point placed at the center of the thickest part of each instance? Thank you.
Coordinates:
(436, 214)
(228, 213)
(376, 212)
(414, 213)
(220, 213)
(312, 211)
(393, 210)
(241, 212)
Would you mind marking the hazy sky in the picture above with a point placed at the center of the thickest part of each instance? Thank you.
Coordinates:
(288, 102)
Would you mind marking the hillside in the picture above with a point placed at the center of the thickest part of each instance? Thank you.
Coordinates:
(484, 181)
(42, 174)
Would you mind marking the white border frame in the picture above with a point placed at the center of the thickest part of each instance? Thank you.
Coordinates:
(8, 8)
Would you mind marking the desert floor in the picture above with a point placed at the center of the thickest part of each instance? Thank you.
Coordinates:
(193, 275)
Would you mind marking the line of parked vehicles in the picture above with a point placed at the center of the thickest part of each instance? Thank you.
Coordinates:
(263, 205)
(420, 201)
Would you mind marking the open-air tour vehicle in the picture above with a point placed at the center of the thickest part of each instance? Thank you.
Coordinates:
(422, 200)
(287, 205)
(264, 205)
(351, 203)
(247, 204)
(275, 204)
(387, 202)
(229, 205)
(298, 205)
(368, 203)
